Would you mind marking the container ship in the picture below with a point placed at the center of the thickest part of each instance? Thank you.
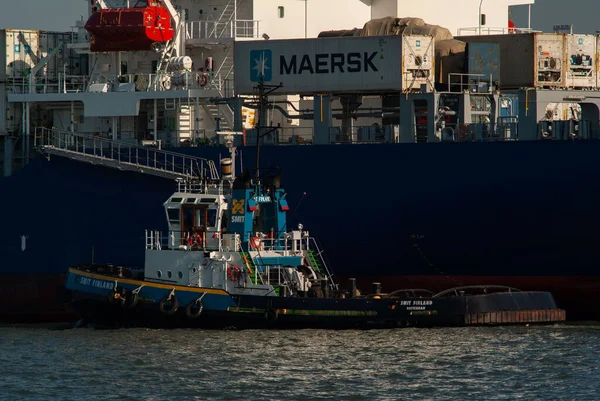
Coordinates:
(483, 161)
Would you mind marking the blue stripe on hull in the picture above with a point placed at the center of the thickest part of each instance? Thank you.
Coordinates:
(100, 287)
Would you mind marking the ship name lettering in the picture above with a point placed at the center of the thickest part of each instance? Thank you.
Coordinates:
(85, 280)
(102, 284)
(328, 63)
(417, 302)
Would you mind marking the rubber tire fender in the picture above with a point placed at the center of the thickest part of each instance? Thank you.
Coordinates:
(174, 304)
(271, 314)
(131, 300)
(190, 310)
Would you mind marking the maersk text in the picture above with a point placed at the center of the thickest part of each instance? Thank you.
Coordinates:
(325, 63)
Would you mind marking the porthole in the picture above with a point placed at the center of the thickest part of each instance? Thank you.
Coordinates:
(193, 270)
(180, 274)
(158, 273)
(169, 274)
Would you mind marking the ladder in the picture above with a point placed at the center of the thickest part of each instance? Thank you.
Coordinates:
(253, 272)
(315, 262)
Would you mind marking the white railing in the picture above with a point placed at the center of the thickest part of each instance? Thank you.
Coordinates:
(242, 29)
(94, 146)
(122, 83)
(472, 31)
(64, 84)
(210, 240)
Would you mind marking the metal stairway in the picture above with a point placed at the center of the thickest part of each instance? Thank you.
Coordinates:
(123, 155)
(223, 113)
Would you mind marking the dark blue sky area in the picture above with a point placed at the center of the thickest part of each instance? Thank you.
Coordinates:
(61, 14)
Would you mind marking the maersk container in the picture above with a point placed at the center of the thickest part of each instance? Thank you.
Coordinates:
(581, 61)
(346, 64)
(529, 60)
(484, 59)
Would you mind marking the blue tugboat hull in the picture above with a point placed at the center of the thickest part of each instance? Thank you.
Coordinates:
(93, 298)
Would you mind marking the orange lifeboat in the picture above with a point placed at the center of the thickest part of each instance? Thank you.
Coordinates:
(129, 29)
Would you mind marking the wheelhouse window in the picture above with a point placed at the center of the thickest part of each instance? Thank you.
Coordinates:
(173, 215)
(211, 217)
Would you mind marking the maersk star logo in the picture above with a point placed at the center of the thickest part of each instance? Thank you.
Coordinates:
(261, 65)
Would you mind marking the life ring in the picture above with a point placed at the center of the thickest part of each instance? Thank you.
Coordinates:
(194, 309)
(233, 272)
(202, 80)
(195, 240)
(463, 131)
(255, 242)
(169, 304)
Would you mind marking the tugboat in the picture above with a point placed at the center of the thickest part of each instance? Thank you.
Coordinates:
(229, 260)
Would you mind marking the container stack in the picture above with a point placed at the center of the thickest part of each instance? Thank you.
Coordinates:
(545, 60)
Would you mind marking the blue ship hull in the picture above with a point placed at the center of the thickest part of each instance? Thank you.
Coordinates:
(425, 214)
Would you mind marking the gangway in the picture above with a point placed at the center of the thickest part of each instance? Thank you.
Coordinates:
(123, 155)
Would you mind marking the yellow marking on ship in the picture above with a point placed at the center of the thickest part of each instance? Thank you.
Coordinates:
(148, 284)
(238, 206)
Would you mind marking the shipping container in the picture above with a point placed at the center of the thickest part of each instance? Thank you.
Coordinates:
(348, 64)
(484, 59)
(529, 60)
(581, 61)
(23, 49)
(20, 49)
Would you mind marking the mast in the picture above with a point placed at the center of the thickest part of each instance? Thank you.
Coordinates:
(263, 102)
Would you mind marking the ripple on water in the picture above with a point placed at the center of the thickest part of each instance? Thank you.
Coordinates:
(443, 364)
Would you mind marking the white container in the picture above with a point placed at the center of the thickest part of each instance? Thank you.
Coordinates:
(529, 60)
(343, 64)
(581, 61)
(21, 49)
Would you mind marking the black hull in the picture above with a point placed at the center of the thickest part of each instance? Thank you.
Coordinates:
(328, 313)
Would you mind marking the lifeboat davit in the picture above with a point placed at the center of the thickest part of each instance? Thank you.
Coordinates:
(129, 29)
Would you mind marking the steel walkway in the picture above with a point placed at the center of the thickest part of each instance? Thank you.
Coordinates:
(123, 155)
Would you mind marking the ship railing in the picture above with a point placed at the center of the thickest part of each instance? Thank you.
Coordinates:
(120, 83)
(176, 240)
(476, 31)
(63, 83)
(234, 29)
(98, 147)
(506, 129)
(474, 83)
(295, 135)
(364, 134)
(319, 258)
